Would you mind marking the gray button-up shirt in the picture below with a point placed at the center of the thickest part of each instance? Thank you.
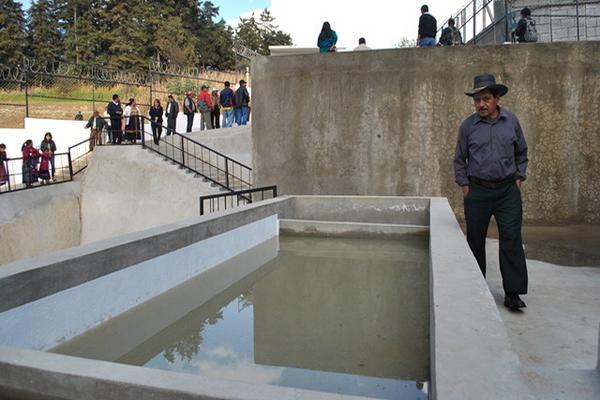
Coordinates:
(490, 150)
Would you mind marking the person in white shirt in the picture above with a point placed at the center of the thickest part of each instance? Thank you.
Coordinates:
(362, 45)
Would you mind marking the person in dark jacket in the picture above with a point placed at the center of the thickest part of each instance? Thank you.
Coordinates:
(227, 101)
(242, 100)
(427, 28)
(48, 145)
(95, 124)
(171, 114)
(521, 29)
(451, 35)
(189, 109)
(156, 116)
(327, 39)
(116, 115)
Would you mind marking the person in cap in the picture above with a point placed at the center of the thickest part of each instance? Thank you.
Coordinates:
(242, 101)
(189, 109)
(490, 166)
(205, 107)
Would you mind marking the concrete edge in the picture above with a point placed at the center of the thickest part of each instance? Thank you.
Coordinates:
(468, 336)
(59, 375)
(28, 280)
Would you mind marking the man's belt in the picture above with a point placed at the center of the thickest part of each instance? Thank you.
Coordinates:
(495, 184)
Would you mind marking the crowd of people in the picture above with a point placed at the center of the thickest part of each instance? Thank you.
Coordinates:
(217, 109)
(426, 36)
(38, 162)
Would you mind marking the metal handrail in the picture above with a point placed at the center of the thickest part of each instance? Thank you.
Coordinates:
(181, 154)
(240, 196)
(11, 183)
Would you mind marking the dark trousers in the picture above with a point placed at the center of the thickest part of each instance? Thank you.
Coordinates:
(170, 126)
(115, 130)
(156, 131)
(190, 122)
(505, 205)
(215, 115)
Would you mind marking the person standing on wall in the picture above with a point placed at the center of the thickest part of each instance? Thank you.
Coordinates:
(427, 28)
(490, 166)
(215, 114)
(451, 35)
(171, 114)
(156, 116)
(49, 147)
(327, 39)
(526, 32)
(95, 124)
(189, 109)
(242, 102)
(205, 107)
(116, 114)
(227, 101)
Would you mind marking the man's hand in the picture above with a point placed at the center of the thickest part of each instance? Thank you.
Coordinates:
(519, 183)
(465, 190)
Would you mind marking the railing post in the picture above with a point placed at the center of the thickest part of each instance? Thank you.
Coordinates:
(275, 191)
(143, 126)
(8, 174)
(182, 152)
(227, 172)
(201, 206)
(70, 164)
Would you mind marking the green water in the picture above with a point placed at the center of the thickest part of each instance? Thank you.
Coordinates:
(345, 316)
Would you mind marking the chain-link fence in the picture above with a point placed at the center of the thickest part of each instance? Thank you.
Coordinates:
(59, 90)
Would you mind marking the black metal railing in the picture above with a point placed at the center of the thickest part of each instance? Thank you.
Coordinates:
(20, 174)
(79, 156)
(215, 167)
(224, 201)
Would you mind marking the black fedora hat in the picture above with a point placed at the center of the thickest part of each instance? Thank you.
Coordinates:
(487, 81)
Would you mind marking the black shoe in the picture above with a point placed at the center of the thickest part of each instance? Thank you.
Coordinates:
(513, 302)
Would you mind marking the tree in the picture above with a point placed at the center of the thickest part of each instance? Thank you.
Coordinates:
(406, 43)
(44, 39)
(12, 32)
(259, 35)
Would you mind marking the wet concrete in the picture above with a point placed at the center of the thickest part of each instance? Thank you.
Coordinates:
(566, 245)
(556, 336)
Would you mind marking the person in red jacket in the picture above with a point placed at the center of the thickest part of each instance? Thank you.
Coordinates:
(30, 161)
(205, 107)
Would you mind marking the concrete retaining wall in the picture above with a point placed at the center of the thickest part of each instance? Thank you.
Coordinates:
(386, 122)
(39, 221)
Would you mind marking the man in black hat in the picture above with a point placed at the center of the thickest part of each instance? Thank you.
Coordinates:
(242, 100)
(490, 164)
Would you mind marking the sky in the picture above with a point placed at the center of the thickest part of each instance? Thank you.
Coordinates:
(382, 22)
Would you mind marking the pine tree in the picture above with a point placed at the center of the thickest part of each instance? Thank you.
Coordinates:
(172, 37)
(259, 34)
(44, 39)
(12, 32)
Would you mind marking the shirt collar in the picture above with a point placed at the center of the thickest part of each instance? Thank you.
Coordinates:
(502, 115)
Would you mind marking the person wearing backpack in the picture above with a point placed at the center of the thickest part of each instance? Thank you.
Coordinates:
(526, 31)
(226, 99)
(451, 35)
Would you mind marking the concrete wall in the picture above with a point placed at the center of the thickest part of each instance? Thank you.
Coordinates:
(385, 122)
(126, 189)
(39, 221)
(234, 142)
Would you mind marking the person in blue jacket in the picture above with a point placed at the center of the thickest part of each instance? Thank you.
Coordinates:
(327, 39)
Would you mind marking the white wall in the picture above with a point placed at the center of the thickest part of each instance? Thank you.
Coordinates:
(65, 134)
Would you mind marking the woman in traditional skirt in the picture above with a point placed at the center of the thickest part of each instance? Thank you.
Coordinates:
(132, 120)
(44, 173)
(30, 160)
(3, 165)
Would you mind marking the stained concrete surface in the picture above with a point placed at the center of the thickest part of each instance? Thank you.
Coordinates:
(556, 337)
(385, 122)
(234, 142)
(127, 189)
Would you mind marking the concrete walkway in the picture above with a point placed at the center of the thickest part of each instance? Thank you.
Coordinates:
(556, 337)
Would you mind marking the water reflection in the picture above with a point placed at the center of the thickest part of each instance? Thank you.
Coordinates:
(337, 315)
